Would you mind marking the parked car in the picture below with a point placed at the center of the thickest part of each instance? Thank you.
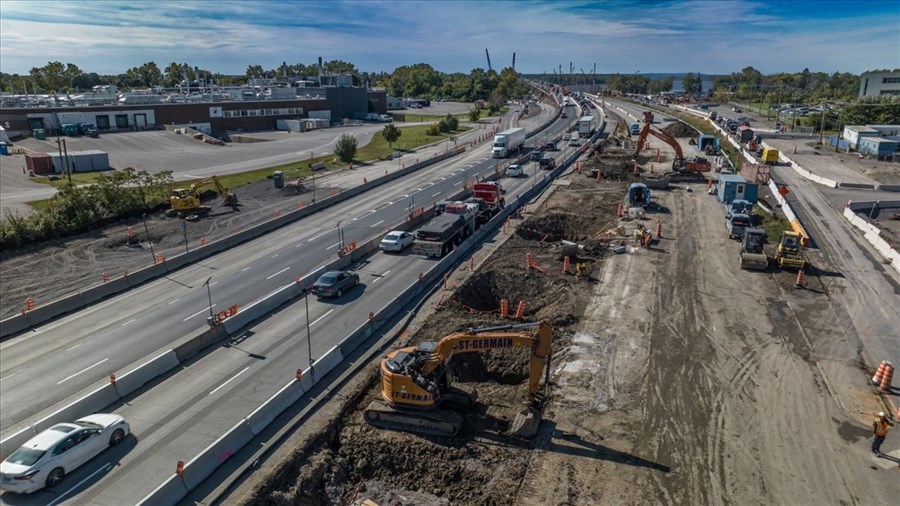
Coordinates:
(736, 109)
(536, 156)
(396, 240)
(335, 283)
(44, 460)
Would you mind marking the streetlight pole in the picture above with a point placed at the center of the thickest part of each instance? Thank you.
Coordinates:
(340, 236)
(308, 335)
(149, 240)
(184, 231)
(209, 296)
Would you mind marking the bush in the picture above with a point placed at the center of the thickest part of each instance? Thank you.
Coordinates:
(433, 130)
(444, 126)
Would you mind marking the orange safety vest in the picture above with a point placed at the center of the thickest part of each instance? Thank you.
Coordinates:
(880, 428)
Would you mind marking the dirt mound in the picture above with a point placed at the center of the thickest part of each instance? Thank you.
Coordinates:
(679, 129)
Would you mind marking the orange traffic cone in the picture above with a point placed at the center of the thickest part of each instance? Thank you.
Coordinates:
(520, 311)
(800, 279)
(886, 380)
(880, 372)
(659, 230)
(566, 264)
(504, 308)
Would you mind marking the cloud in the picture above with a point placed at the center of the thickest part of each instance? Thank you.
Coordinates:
(619, 36)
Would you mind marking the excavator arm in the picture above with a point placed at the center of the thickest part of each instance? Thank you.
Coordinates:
(668, 139)
(230, 199)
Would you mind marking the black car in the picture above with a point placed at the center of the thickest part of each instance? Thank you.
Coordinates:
(536, 156)
(548, 163)
(550, 146)
(335, 283)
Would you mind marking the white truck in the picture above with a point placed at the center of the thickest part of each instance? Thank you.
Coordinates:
(508, 142)
(586, 126)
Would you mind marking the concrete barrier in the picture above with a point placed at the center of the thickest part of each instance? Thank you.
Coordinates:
(203, 465)
(326, 363)
(889, 188)
(245, 316)
(12, 442)
(262, 416)
(146, 274)
(103, 291)
(196, 344)
(140, 375)
(168, 493)
(93, 402)
(858, 186)
(14, 325)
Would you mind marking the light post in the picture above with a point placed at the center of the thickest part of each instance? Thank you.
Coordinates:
(308, 335)
(340, 237)
(209, 296)
(149, 240)
(184, 231)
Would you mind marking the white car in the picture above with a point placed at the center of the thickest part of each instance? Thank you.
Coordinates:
(515, 171)
(396, 240)
(46, 458)
(567, 137)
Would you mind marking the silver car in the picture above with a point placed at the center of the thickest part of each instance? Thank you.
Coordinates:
(46, 458)
(396, 240)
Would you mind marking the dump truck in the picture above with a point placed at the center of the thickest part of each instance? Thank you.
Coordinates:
(438, 237)
(770, 156)
(790, 251)
(752, 255)
(508, 142)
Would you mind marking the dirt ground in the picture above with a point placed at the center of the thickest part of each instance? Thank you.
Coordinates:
(676, 378)
(61, 267)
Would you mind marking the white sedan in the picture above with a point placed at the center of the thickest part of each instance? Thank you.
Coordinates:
(46, 458)
(396, 240)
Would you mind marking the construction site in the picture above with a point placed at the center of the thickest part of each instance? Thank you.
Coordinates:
(668, 384)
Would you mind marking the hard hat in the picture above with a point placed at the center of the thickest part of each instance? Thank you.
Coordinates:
(881, 415)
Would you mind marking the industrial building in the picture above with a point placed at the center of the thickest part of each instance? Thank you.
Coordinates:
(880, 148)
(875, 84)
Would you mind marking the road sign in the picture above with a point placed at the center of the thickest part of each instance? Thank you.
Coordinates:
(783, 191)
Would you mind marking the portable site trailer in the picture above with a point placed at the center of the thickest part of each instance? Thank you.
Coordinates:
(733, 187)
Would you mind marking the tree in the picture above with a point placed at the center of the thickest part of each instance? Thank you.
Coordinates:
(51, 77)
(391, 133)
(474, 114)
(451, 121)
(691, 84)
(345, 148)
(146, 75)
(255, 71)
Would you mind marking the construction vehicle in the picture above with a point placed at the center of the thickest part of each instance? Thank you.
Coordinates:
(186, 201)
(737, 224)
(648, 117)
(770, 156)
(679, 164)
(752, 255)
(790, 251)
(416, 394)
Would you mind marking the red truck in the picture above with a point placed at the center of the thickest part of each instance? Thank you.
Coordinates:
(491, 193)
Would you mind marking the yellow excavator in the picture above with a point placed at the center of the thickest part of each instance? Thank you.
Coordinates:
(416, 395)
(186, 201)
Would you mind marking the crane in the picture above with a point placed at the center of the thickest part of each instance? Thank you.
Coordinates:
(416, 393)
(488, 59)
(679, 164)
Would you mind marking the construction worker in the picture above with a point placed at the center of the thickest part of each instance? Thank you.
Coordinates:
(880, 430)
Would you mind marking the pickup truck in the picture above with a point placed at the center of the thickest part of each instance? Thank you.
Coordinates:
(736, 224)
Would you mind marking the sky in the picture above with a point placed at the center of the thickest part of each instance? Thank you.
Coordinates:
(226, 36)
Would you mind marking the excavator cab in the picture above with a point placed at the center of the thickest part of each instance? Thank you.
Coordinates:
(186, 202)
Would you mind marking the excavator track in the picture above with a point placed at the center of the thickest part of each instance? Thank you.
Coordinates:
(436, 422)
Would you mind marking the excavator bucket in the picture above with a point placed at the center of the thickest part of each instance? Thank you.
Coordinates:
(526, 423)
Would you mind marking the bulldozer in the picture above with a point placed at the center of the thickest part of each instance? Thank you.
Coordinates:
(790, 251)
(416, 395)
(752, 255)
(185, 202)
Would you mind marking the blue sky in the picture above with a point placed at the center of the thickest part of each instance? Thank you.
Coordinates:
(707, 36)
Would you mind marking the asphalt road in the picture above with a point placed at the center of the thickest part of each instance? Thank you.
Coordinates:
(182, 414)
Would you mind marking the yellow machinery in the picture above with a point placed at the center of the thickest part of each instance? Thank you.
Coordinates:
(416, 393)
(790, 251)
(186, 202)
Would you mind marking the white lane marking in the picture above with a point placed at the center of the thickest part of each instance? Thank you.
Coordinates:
(215, 282)
(13, 374)
(436, 194)
(457, 183)
(442, 179)
(378, 278)
(80, 483)
(376, 224)
(273, 256)
(313, 238)
(229, 380)
(81, 371)
(198, 312)
(415, 191)
(129, 321)
(73, 347)
(296, 246)
(429, 184)
(279, 272)
(389, 204)
(176, 300)
(320, 318)
(245, 269)
(404, 196)
(333, 245)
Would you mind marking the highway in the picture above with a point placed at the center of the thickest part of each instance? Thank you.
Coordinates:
(181, 414)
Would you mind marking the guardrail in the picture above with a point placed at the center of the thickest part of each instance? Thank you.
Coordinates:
(870, 231)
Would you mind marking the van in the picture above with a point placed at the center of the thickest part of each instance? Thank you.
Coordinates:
(635, 129)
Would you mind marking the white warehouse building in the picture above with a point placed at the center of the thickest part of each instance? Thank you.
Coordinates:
(876, 84)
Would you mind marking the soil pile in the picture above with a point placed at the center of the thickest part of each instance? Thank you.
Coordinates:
(679, 129)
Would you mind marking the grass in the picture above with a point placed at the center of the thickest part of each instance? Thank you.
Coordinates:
(412, 137)
(774, 224)
(77, 177)
(419, 117)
